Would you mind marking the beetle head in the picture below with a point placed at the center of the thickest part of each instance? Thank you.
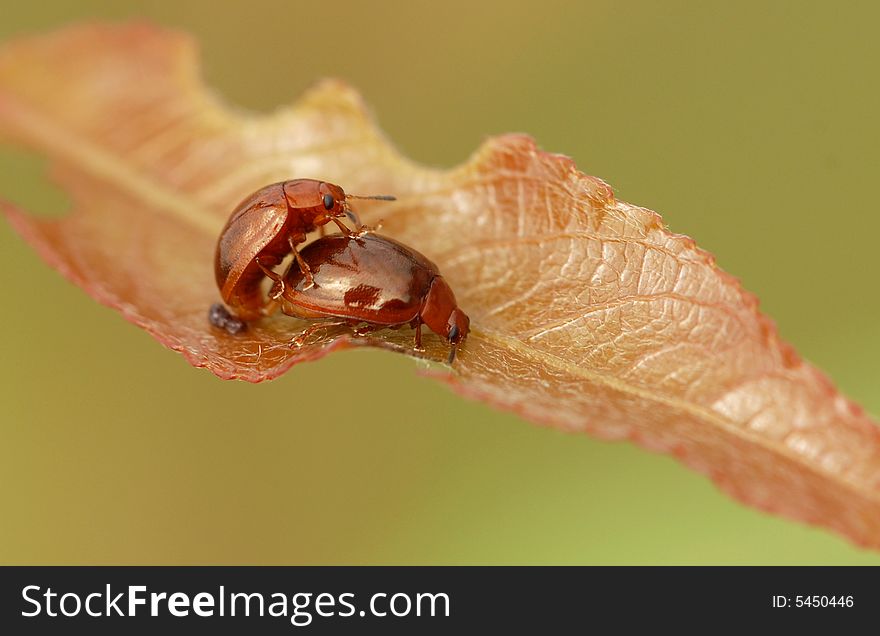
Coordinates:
(459, 325)
(319, 198)
(276, 291)
(441, 314)
(318, 201)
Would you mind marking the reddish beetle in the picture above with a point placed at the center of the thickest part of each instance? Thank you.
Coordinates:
(370, 279)
(266, 227)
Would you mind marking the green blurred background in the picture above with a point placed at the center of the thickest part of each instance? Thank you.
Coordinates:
(751, 127)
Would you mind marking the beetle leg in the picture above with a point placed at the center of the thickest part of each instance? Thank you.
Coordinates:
(303, 266)
(300, 340)
(368, 229)
(342, 227)
(306, 270)
(417, 345)
(278, 287)
(361, 229)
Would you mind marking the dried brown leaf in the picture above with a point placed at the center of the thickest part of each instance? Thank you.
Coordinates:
(587, 314)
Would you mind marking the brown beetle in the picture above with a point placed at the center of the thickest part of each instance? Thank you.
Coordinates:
(266, 227)
(370, 279)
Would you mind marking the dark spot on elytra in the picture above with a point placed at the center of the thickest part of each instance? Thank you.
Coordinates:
(362, 296)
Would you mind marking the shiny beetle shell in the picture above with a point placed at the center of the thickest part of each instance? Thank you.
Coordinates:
(375, 280)
(267, 225)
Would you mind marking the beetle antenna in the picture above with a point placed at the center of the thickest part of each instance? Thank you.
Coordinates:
(377, 197)
(451, 357)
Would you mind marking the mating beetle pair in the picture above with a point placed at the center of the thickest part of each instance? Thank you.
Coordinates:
(348, 278)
